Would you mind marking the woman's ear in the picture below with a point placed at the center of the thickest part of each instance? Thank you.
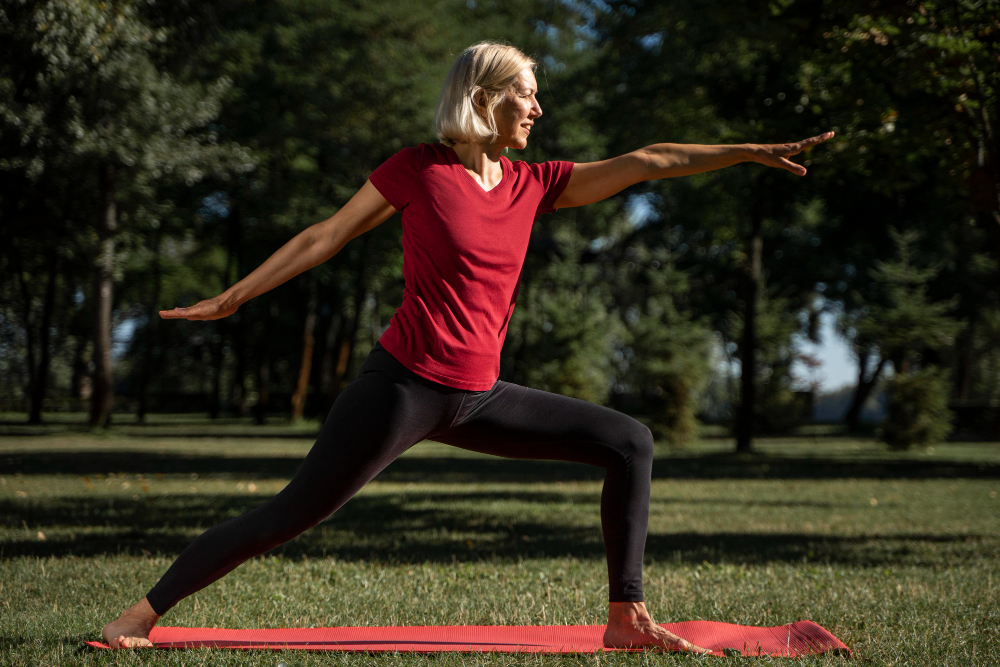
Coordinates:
(479, 99)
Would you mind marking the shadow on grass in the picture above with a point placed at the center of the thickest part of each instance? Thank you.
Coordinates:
(138, 432)
(416, 527)
(485, 470)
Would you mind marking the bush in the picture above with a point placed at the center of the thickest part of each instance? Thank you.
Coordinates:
(781, 410)
(673, 411)
(918, 411)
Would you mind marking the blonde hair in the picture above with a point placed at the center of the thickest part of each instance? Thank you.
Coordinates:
(486, 70)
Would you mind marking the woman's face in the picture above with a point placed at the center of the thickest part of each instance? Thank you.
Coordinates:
(518, 112)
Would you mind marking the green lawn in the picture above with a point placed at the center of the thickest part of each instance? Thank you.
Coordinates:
(896, 554)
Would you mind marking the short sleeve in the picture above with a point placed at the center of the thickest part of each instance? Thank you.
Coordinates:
(396, 178)
(554, 177)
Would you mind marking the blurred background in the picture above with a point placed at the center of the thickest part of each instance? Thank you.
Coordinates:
(153, 153)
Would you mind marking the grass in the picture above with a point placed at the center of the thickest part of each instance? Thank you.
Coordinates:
(896, 554)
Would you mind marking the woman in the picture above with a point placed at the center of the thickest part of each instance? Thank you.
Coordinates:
(467, 215)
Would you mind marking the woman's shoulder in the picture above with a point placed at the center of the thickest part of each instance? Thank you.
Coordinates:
(425, 154)
(541, 170)
(435, 148)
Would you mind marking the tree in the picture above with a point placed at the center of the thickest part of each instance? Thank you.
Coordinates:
(914, 90)
(911, 331)
(715, 72)
(83, 95)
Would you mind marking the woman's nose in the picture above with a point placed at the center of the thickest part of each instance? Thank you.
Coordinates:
(536, 110)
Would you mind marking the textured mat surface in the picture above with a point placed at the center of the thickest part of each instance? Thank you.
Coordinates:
(787, 641)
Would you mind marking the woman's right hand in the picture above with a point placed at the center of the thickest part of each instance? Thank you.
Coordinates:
(209, 309)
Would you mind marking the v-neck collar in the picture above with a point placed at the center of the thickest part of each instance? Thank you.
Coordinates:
(496, 188)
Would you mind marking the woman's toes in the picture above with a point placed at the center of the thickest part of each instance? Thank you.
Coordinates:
(133, 642)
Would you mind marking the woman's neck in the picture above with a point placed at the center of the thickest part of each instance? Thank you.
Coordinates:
(482, 161)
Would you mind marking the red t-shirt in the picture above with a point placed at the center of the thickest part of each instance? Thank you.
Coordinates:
(463, 249)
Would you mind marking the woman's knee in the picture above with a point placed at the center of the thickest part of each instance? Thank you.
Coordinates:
(642, 444)
(635, 443)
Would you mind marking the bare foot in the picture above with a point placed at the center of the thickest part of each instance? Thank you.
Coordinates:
(630, 626)
(131, 630)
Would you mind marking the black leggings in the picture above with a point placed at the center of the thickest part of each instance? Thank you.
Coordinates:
(387, 410)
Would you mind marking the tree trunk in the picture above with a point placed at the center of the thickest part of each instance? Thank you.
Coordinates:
(102, 398)
(748, 347)
(861, 393)
(237, 391)
(215, 347)
(965, 359)
(29, 330)
(308, 344)
(264, 368)
(79, 369)
(152, 333)
(346, 346)
(345, 338)
(222, 332)
(41, 382)
(996, 229)
(333, 333)
(263, 388)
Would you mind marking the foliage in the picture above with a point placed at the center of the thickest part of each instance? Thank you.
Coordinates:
(910, 329)
(91, 129)
(565, 325)
(918, 411)
(669, 364)
(236, 124)
(986, 377)
(913, 87)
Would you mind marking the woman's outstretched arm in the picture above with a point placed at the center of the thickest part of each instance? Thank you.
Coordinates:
(593, 181)
(313, 245)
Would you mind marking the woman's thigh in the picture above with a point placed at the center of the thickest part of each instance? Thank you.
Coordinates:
(375, 419)
(520, 422)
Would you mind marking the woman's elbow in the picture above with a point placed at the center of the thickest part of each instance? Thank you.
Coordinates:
(645, 164)
(324, 239)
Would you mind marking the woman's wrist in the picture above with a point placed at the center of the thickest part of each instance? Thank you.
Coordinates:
(749, 152)
(233, 298)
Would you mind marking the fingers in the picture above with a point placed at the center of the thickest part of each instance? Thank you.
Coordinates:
(796, 169)
(189, 313)
(778, 154)
(811, 141)
(799, 146)
(199, 311)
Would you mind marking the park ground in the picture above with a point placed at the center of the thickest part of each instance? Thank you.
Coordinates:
(895, 553)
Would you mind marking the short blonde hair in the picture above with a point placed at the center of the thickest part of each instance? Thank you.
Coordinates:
(488, 69)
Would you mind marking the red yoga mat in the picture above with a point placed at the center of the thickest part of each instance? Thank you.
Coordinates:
(785, 641)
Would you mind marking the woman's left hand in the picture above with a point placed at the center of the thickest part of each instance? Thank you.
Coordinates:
(776, 155)
(209, 309)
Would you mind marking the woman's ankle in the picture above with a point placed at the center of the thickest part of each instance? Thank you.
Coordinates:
(144, 610)
(619, 612)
